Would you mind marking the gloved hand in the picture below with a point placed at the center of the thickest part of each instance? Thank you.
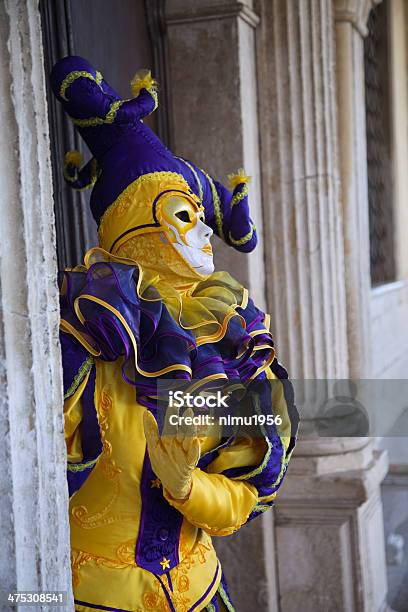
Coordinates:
(173, 455)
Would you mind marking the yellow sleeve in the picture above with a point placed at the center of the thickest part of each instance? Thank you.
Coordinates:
(220, 503)
(216, 503)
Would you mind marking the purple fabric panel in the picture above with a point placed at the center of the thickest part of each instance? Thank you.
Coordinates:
(73, 356)
(77, 479)
(160, 526)
(90, 431)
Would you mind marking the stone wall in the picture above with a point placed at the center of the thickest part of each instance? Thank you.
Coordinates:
(34, 552)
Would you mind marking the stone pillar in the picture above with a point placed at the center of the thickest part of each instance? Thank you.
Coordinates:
(351, 19)
(328, 516)
(213, 76)
(304, 254)
(34, 551)
(214, 107)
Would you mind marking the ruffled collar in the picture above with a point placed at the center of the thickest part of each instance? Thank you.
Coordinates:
(117, 310)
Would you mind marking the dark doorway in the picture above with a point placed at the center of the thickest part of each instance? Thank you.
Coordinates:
(118, 38)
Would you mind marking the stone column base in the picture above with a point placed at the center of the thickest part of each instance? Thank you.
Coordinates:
(330, 536)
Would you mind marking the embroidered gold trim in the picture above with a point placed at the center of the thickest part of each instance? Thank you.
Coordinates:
(77, 74)
(261, 508)
(197, 178)
(225, 599)
(80, 558)
(80, 375)
(155, 97)
(80, 467)
(217, 206)
(92, 121)
(236, 198)
(244, 239)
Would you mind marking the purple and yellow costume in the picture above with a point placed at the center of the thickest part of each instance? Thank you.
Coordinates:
(125, 324)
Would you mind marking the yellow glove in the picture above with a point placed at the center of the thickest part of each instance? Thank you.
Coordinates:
(173, 456)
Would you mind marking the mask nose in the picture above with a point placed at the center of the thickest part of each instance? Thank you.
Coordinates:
(207, 231)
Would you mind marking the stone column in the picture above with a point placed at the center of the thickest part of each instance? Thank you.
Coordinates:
(213, 77)
(214, 107)
(351, 25)
(328, 517)
(34, 551)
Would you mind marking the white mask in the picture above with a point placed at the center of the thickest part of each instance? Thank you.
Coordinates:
(187, 232)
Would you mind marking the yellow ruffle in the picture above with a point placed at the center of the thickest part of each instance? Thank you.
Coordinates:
(204, 307)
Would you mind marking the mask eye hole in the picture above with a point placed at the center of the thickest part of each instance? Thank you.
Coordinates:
(184, 216)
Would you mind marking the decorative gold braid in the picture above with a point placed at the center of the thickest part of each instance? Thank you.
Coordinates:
(200, 187)
(261, 508)
(217, 206)
(237, 197)
(155, 97)
(80, 467)
(92, 121)
(244, 239)
(77, 74)
(225, 599)
(80, 375)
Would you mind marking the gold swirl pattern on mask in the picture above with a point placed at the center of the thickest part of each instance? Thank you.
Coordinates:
(133, 208)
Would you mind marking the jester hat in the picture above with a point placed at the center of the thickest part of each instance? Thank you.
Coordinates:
(131, 168)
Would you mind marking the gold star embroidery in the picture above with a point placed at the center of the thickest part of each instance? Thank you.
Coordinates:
(165, 563)
(155, 484)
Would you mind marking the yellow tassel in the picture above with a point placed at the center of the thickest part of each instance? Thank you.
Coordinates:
(73, 158)
(237, 178)
(142, 80)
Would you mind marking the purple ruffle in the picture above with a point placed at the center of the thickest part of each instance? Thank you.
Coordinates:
(112, 314)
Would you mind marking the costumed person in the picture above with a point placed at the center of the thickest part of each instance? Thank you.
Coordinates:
(146, 306)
